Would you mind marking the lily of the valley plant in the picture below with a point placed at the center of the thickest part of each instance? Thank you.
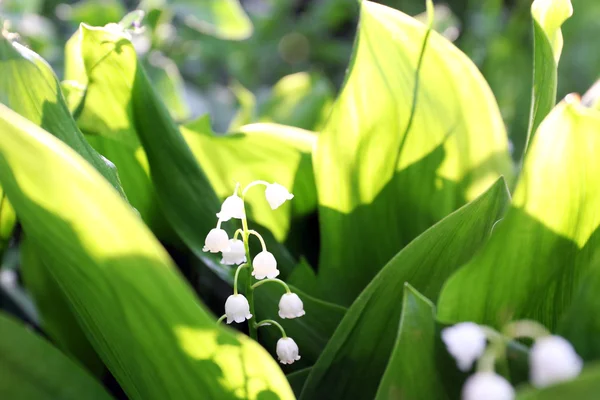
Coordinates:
(239, 308)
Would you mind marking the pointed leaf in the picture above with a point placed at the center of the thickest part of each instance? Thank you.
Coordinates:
(539, 251)
(356, 356)
(415, 120)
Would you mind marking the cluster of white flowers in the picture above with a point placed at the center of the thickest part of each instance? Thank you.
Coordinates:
(552, 359)
(264, 265)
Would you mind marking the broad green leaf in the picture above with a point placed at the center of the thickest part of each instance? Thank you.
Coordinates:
(167, 81)
(142, 318)
(297, 379)
(32, 369)
(24, 72)
(270, 152)
(584, 387)
(539, 251)
(56, 319)
(7, 221)
(356, 356)
(93, 12)
(414, 134)
(411, 371)
(548, 16)
(247, 107)
(580, 324)
(104, 112)
(224, 19)
(301, 99)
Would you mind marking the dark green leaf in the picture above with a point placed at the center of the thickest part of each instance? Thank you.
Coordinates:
(585, 387)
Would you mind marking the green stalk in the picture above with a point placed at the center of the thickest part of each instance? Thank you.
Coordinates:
(252, 330)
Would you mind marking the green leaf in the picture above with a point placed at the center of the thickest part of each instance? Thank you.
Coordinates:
(167, 81)
(94, 12)
(142, 318)
(224, 19)
(414, 134)
(32, 369)
(56, 318)
(270, 152)
(23, 71)
(584, 387)
(297, 379)
(247, 107)
(548, 16)
(104, 112)
(411, 372)
(539, 251)
(356, 356)
(303, 100)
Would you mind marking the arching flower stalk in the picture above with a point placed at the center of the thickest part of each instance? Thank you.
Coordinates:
(240, 307)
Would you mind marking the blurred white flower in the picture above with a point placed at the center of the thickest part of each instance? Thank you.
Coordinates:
(237, 308)
(233, 207)
(235, 254)
(277, 195)
(465, 342)
(487, 386)
(552, 359)
(290, 306)
(287, 350)
(216, 241)
(264, 265)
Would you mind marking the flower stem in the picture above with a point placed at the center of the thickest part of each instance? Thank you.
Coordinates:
(238, 232)
(262, 241)
(282, 283)
(253, 184)
(267, 322)
(525, 328)
(221, 318)
(252, 331)
(235, 278)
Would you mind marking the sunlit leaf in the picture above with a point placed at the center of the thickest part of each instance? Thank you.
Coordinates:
(548, 16)
(356, 356)
(167, 81)
(414, 134)
(143, 319)
(32, 369)
(539, 251)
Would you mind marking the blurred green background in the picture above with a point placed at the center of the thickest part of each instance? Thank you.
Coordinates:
(240, 81)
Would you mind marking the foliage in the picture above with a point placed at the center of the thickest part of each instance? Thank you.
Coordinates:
(421, 166)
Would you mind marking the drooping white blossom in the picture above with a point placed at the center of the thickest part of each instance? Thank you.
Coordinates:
(277, 194)
(287, 350)
(237, 308)
(235, 254)
(552, 360)
(290, 306)
(216, 241)
(465, 342)
(264, 265)
(487, 386)
(232, 207)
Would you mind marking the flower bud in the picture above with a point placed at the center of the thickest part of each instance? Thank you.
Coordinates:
(232, 207)
(277, 195)
(465, 342)
(487, 386)
(553, 360)
(287, 350)
(264, 265)
(235, 254)
(237, 308)
(290, 306)
(216, 241)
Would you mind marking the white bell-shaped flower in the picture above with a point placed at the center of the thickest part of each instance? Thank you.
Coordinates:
(216, 241)
(465, 342)
(487, 386)
(277, 194)
(264, 265)
(232, 207)
(287, 350)
(237, 308)
(235, 254)
(552, 360)
(290, 306)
